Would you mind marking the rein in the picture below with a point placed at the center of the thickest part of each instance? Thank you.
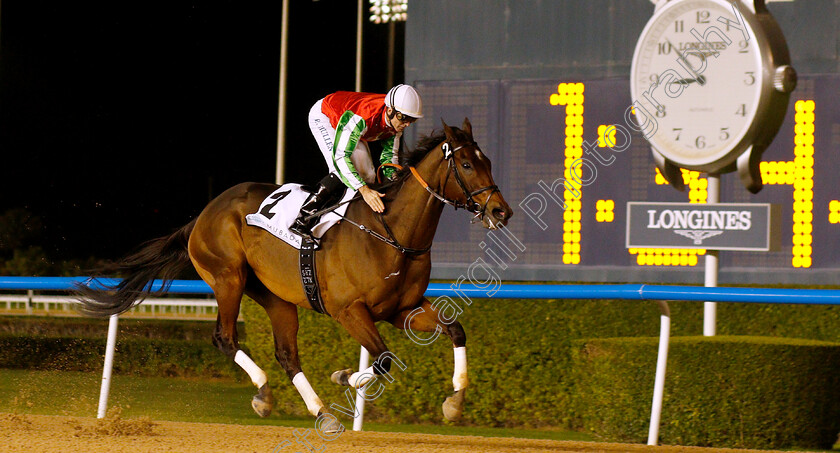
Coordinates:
(391, 239)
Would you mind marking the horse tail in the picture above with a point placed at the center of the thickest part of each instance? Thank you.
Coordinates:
(165, 257)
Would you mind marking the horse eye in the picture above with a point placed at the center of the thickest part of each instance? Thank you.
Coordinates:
(466, 165)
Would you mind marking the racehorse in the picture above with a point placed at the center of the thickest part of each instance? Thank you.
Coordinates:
(364, 278)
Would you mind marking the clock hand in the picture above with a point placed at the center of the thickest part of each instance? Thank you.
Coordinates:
(697, 77)
(701, 80)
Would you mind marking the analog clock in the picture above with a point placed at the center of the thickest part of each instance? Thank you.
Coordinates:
(710, 82)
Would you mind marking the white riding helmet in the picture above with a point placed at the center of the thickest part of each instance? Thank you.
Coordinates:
(404, 99)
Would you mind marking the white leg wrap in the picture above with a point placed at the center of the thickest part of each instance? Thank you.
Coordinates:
(459, 377)
(361, 378)
(313, 403)
(256, 373)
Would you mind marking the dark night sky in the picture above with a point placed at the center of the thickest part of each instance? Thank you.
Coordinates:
(120, 120)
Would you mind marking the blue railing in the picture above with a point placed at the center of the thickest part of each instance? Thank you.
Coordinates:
(509, 291)
(512, 291)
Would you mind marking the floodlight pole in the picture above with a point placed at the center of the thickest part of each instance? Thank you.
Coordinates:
(392, 37)
(359, 23)
(364, 355)
(281, 101)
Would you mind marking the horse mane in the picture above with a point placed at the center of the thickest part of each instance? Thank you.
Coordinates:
(411, 158)
(424, 146)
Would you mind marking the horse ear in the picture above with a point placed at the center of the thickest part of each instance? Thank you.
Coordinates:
(446, 129)
(467, 127)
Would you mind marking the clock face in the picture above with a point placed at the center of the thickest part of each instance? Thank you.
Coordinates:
(698, 76)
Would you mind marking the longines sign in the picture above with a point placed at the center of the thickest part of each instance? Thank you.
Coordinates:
(721, 226)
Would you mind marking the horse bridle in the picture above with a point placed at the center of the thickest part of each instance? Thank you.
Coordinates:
(471, 204)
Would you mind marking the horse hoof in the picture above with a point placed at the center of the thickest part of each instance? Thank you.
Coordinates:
(453, 407)
(342, 377)
(262, 408)
(263, 402)
(329, 425)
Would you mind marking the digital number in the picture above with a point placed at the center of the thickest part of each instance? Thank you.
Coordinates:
(571, 95)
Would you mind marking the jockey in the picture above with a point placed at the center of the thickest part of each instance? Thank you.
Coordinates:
(342, 124)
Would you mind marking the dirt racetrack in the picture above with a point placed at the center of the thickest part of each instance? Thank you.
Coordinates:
(41, 433)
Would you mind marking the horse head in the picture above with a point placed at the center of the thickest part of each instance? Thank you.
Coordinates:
(468, 182)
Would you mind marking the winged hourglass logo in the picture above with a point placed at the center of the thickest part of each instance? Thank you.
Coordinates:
(698, 235)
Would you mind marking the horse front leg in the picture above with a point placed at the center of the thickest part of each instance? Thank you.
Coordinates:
(425, 319)
(356, 319)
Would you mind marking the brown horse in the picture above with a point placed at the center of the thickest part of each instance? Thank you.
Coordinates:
(364, 278)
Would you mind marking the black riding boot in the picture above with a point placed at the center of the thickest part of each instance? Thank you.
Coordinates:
(327, 188)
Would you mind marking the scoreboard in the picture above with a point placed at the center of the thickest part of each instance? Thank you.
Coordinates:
(567, 160)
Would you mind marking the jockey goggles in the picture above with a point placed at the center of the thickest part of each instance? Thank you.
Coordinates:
(403, 118)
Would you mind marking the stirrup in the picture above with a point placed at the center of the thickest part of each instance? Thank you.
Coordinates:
(305, 231)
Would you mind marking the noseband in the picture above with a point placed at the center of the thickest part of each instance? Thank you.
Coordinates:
(471, 204)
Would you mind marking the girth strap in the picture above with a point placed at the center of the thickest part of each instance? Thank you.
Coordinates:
(308, 276)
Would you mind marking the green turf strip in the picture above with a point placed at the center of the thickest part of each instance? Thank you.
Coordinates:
(188, 400)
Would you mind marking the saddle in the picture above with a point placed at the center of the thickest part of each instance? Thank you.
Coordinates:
(277, 212)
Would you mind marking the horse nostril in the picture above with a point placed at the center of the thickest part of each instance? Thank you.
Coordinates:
(499, 213)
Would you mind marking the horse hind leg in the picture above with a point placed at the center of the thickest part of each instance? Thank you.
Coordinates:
(284, 324)
(263, 401)
(426, 319)
(228, 285)
(218, 254)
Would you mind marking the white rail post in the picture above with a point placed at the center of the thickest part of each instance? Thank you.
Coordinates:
(661, 363)
(712, 266)
(364, 361)
(109, 365)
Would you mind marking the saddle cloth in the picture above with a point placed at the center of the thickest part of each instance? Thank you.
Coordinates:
(280, 209)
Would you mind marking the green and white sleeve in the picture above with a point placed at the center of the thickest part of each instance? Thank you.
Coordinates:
(348, 131)
(390, 154)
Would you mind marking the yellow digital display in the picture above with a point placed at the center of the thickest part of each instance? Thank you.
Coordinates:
(605, 211)
(571, 95)
(798, 173)
(568, 155)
